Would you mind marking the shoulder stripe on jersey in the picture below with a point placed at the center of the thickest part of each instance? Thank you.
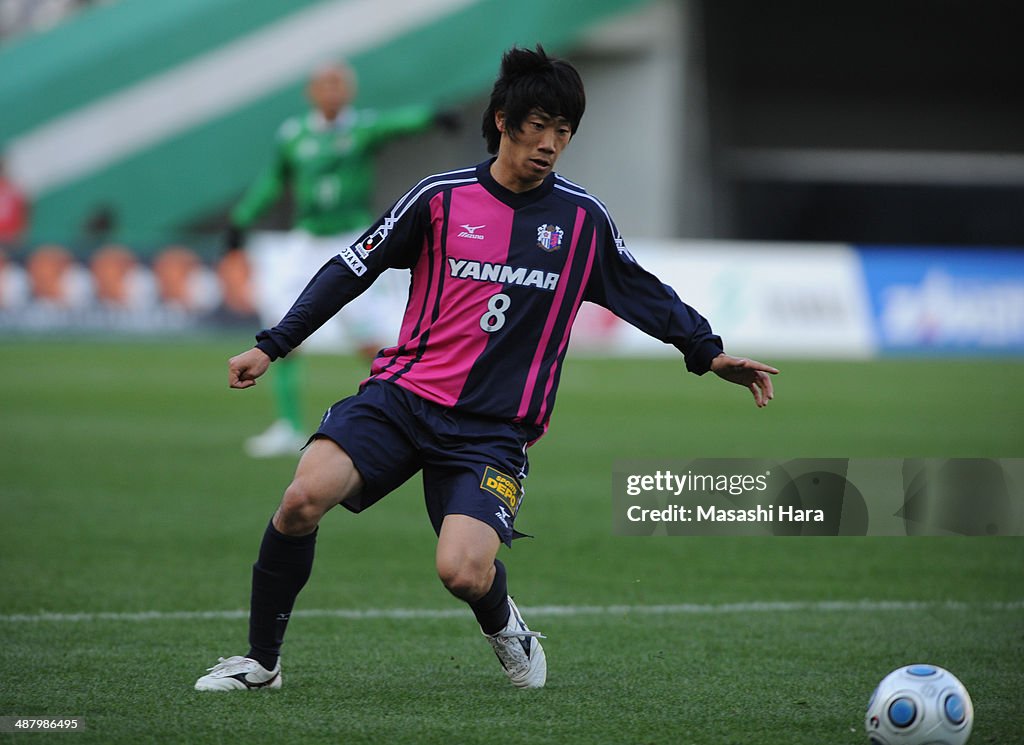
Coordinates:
(412, 196)
(436, 179)
(579, 191)
(560, 177)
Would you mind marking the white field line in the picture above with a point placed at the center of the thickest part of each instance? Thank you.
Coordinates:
(691, 609)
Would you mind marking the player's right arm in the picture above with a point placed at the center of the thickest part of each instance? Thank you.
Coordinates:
(393, 241)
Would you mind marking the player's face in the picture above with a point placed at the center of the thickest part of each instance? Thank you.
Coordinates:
(526, 157)
(331, 90)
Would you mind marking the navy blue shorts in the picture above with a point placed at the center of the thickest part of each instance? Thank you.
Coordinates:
(471, 465)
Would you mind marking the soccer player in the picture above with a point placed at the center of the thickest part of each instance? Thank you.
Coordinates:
(326, 157)
(502, 254)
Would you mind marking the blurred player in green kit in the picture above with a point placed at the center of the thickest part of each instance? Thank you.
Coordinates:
(326, 158)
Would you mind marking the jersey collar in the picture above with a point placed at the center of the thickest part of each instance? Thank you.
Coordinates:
(513, 199)
(344, 121)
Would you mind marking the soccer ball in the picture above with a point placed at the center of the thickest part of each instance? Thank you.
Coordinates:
(919, 705)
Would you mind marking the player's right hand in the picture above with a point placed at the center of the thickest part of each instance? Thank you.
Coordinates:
(234, 239)
(244, 368)
(449, 120)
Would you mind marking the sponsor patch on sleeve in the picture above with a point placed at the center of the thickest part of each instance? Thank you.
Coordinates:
(504, 487)
(349, 257)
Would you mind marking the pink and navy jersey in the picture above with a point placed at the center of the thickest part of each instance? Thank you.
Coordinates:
(497, 280)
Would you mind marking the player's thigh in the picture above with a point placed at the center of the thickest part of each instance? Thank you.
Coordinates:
(377, 433)
(325, 477)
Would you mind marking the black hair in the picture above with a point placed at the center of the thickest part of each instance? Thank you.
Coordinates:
(530, 79)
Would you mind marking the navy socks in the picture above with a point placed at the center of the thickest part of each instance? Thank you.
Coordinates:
(280, 572)
(492, 609)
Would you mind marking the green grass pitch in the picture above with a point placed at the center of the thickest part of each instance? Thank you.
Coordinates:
(126, 500)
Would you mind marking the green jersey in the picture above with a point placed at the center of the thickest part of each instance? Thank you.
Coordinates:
(329, 166)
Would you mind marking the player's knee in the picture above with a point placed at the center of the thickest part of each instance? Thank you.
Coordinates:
(464, 580)
(300, 510)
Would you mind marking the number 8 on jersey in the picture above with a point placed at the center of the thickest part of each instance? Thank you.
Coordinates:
(494, 318)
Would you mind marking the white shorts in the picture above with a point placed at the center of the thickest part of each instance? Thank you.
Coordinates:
(282, 265)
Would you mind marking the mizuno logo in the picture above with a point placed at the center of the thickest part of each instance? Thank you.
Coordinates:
(503, 274)
(469, 231)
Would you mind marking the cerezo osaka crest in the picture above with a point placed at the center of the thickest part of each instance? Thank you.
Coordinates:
(549, 237)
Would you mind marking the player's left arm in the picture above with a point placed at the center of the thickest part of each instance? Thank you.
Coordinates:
(629, 291)
(621, 285)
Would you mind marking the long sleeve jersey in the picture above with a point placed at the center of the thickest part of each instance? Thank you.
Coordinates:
(329, 166)
(497, 279)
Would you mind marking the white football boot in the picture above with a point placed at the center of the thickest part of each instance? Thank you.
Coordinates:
(279, 439)
(239, 674)
(519, 651)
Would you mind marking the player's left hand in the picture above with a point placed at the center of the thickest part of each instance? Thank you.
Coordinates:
(234, 238)
(751, 374)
